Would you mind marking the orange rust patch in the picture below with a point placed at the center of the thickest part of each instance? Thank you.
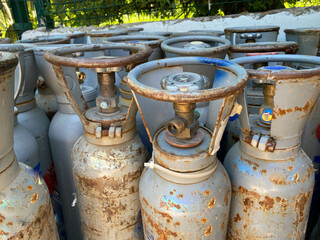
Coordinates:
(177, 224)
(164, 234)
(145, 201)
(180, 196)
(278, 199)
(2, 218)
(204, 220)
(247, 192)
(300, 205)
(278, 181)
(212, 203)
(29, 187)
(237, 218)
(247, 202)
(255, 165)
(263, 171)
(226, 198)
(34, 198)
(208, 231)
(3, 233)
(173, 192)
(222, 225)
(267, 203)
(290, 168)
(164, 215)
(207, 192)
(9, 223)
(169, 204)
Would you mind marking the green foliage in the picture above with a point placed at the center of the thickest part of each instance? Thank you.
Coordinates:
(76, 13)
(301, 3)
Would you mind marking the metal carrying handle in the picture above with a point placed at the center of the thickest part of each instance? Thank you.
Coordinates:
(151, 40)
(227, 93)
(204, 95)
(287, 47)
(279, 75)
(165, 45)
(21, 66)
(57, 59)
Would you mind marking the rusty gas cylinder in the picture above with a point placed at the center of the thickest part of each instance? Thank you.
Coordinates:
(25, 207)
(253, 90)
(251, 34)
(108, 158)
(184, 189)
(272, 178)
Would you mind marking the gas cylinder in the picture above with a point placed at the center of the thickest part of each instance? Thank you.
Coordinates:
(152, 41)
(245, 49)
(309, 44)
(184, 190)
(25, 145)
(308, 40)
(99, 36)
(61, 142)
(45, 40)
(157, 33)
(254, 95)
(25, 207)
(272, 178)
(214, 33)
(32, 117)
(250, 34)
(44, 97)
(290, 35)
(108, 158)
(209, 46)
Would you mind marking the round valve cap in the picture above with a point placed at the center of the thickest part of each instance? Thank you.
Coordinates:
(185, 82)
(196, 45)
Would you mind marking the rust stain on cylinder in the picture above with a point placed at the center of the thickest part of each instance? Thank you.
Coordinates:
(207, 192)
(42, 227)
(237, 218)
(212, 203)
(34, 198)
(208, 231)
(204, 220)
(29, 187)
(2, 218)
(299, 207)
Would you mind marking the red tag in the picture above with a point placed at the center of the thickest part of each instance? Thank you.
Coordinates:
(51, 179)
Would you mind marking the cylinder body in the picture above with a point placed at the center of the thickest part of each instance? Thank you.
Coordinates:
(185, 211)
(25, 207)
(270, 198)
(26, 147)
(64, 131)
(107, 181)
(27, 200)
(37, 123)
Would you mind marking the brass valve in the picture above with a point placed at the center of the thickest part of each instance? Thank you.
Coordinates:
(185, 124)
(265, 111)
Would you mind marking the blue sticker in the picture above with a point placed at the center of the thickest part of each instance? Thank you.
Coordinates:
(275, 67)
(234, 117)
(266, 116)
(37, 169)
